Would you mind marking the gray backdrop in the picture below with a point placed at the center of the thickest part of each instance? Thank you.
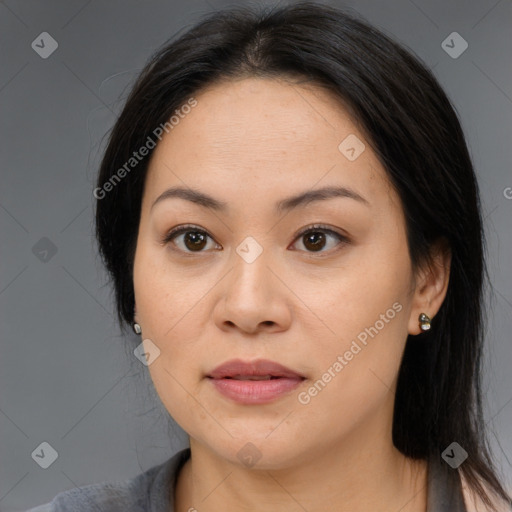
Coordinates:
(67, 377)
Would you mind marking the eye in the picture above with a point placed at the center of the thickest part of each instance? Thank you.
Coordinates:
(315, 238)
(190, 238)
(194, 239)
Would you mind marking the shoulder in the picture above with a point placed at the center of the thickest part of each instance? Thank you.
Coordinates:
(107, 497)
(138, 494)
(47, 507)
(475, 504)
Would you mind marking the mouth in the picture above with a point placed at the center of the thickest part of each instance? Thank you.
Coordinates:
(260, 369)
(254, 377)
(252, 383)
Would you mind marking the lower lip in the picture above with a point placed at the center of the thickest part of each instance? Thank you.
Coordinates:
(255, 391)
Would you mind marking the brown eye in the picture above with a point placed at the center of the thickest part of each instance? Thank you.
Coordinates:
(317, 238)
(188, 239)
(314, 241)
(194, 240)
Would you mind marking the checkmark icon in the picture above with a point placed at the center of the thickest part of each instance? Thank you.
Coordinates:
(248, 455)
(44, 45)
(45, 455)
(454, 455)
(454, 45)
(146, 352)
(351, 147)
(44, 249)
(249, 249)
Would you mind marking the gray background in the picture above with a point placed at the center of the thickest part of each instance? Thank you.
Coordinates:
(67, 376)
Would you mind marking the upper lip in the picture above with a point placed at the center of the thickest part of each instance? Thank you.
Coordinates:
(260, 367)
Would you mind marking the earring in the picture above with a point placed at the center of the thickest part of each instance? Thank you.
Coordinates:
(424, 321)
(136, 328)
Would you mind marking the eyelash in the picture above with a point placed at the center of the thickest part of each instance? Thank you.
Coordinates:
(173, 233)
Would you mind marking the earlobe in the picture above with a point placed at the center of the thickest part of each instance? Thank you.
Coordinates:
(431, 288)
(424, 321)
(135, 324)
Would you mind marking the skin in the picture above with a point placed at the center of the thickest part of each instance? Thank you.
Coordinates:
(251, 143)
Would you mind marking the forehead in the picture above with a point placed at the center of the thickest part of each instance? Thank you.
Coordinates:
(264, 134)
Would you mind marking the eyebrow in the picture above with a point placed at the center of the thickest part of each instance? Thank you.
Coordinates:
(287, 204)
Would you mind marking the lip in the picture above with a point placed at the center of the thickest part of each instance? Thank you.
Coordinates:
(259, 367)
(253, 392)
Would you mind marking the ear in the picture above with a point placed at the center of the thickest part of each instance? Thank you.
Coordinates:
(431, 284)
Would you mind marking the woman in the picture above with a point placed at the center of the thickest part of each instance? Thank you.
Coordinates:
(290, 217)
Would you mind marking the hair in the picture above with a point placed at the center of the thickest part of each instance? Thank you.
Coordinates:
(415, 132)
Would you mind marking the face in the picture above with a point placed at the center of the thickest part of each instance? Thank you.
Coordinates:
(323, 286)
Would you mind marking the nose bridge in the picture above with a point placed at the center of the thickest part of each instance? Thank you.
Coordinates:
(252, 297)
(250, 274)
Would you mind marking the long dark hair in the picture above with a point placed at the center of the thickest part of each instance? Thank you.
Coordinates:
(415, 132)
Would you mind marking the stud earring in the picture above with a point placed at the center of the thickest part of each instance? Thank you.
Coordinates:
(136, 328)
(424, 321)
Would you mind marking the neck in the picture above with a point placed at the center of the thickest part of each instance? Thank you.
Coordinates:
(343, 480)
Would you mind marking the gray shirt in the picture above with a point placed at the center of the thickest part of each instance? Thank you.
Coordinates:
(153, 491)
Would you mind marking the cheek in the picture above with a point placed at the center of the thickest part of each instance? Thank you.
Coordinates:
(355, 370)
(366, 310)
(165, 299)
(366, 339)
(169, 313)
(359, 296)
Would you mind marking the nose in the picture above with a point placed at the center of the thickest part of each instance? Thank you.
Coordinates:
(254, 298)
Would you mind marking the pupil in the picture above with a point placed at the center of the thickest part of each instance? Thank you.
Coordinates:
(315, 241)
(196, 239)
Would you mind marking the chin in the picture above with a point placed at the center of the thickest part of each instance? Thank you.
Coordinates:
(258, 453)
